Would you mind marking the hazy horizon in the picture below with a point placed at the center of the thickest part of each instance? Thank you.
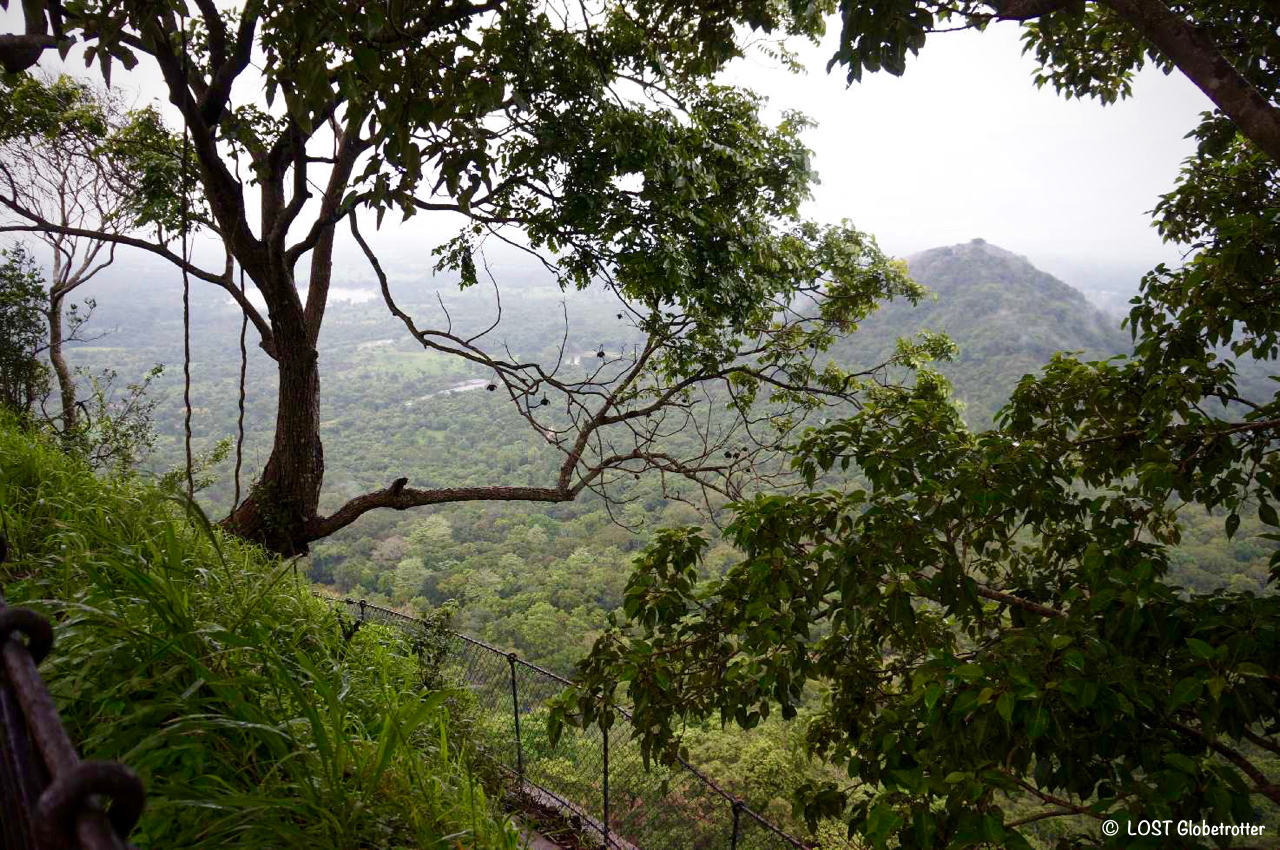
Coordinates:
(962, 146)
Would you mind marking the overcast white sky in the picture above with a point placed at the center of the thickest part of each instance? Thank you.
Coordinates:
(962, 146)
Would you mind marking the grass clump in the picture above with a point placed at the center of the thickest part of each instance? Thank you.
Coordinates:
(208, 668)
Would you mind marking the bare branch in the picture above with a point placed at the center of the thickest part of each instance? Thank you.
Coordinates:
(401, 498)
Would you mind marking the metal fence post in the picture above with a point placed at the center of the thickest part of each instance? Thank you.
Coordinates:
(515, 712)
(580, 807)
(605, 733)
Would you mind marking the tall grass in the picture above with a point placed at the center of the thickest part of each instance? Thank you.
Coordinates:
(208, 667)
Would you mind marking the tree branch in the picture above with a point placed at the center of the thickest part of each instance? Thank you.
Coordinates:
(1259, 741)
(224, 193)
(224, 280)
(1051, 799)
(1025, 10)
(1197, 56)
(1018, 602)
(1263, 785)
(320, 239)
(20, 52)
(401, 498)
(393, 36)
(1052, 813)
(215, 98)
(1238, 428)
(217, 31)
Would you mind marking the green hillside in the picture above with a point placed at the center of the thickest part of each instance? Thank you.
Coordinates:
(1007, 317)
(210, 670)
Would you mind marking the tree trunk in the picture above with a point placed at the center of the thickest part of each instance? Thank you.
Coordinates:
(66, 387)
(285, 499)
(280, 511)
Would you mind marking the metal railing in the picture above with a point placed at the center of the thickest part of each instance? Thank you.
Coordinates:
(596, 780)
(48, 797)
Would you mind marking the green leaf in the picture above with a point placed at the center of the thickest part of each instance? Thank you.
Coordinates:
(1200, 649)
(1038, 723)
(1187, 690)
(992, 829)
(1004, 706)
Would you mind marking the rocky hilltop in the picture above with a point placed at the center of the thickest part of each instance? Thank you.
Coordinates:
(1007, 317)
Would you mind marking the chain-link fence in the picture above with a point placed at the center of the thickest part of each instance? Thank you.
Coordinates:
(48, 797)
(594, 780)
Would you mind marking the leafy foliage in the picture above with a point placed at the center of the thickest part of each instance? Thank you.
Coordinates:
(594, 133)
(116, 433)
(23, 378)
(541, 581)
(992, 612)
(128, 159)
(61, 110)
(982, 624)
(145, 154)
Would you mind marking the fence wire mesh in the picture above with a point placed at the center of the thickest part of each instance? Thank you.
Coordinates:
(598, 782)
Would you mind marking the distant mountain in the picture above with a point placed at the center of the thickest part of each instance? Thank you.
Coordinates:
(1007, 317)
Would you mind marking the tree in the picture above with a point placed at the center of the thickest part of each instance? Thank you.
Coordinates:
(429, 536)
(117, 432)
(985, 624)
(989, 615)
(23, 377)
(349, 574)
(530, 123)
(51, 163)
(410, 576)
(73, 157)
(592, 138)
